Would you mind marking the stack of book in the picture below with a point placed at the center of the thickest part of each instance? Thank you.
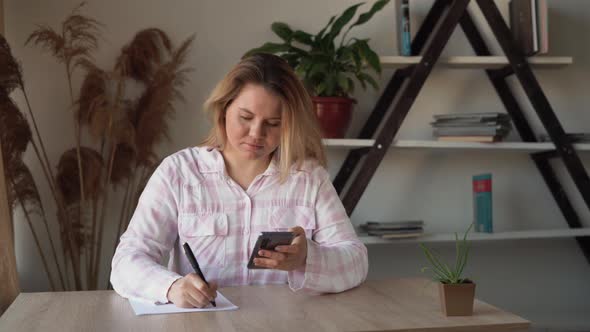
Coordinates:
(529, 25)
(471, 127)
(394, 229)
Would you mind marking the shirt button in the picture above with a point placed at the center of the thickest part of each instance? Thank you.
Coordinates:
(247, 231)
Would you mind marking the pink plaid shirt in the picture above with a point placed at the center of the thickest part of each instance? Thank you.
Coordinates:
(190, 198)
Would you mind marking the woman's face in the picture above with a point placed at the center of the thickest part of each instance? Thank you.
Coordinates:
(253, 123)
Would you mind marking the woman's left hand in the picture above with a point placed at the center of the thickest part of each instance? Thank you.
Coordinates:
(286, 258)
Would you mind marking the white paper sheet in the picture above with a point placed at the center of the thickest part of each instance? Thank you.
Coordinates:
(146, 308)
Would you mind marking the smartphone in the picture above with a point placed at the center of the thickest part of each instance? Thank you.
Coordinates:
(269, 241)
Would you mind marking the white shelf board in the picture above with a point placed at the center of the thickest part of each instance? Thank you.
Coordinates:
(515, 235)
(476, 62)
(348, 143)
(444, 145)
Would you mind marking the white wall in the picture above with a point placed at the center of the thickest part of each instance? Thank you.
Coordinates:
(547, 281)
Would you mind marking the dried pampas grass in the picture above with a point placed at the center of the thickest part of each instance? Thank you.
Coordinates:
(126, 131)
(10, 71)
(125, 152)
(15, 133)
(67, 175)
(23, 191)
(77, 39)
(155, 106)
(72, 45)
(93, 99)
(147, 50)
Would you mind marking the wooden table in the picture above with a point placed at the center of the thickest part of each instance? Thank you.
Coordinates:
(380, 305)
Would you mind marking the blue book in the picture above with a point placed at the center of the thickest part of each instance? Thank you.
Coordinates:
(482, 203)
(403, 28)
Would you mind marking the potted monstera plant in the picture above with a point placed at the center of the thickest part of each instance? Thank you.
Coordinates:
(456, 292)
(329, 65)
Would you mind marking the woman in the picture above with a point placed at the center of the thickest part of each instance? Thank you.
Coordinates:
(260, 169)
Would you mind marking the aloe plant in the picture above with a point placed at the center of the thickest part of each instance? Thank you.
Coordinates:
(326, 67)
(443, 272)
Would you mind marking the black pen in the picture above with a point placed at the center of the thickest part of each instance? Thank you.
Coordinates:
(193, 261)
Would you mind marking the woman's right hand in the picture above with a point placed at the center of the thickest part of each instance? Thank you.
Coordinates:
(191, 291)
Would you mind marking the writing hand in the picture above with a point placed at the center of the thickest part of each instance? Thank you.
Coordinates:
(191, 291)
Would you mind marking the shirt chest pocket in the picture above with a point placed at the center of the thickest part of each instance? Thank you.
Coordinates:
(206, 235)
(282, 218)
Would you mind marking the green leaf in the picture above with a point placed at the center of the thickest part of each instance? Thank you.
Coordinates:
(303, 67)
(345, 54)
(358, 61)
(351, 84)
(434, 261)
(320, 89)
(357, 46)
(467, 231)
(442, 267)
(292, 59)
(300, 52)
(301, 70)
(465, 255)
(318, 68)
(458, 253)
(282, 30)
(341, 21)
(463, 263)
(327, 46)
(362, 81)
(343, 83)
(377, 6)
(303, 37)
(330, 84)
(436, 273)
(321, 33)
(448, 271)
(272, 48)
(463, 248)
(370, 56)
(309, 62)
(371, 80)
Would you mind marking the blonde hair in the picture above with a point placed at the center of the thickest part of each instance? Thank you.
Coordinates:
(300, 131)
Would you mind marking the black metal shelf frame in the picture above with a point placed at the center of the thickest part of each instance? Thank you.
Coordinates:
(406, 83)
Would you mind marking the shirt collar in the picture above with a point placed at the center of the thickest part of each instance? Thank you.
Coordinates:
(212, 161)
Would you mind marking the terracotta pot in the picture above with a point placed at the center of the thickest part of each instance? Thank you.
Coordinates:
(457, 299)
(334, 115)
